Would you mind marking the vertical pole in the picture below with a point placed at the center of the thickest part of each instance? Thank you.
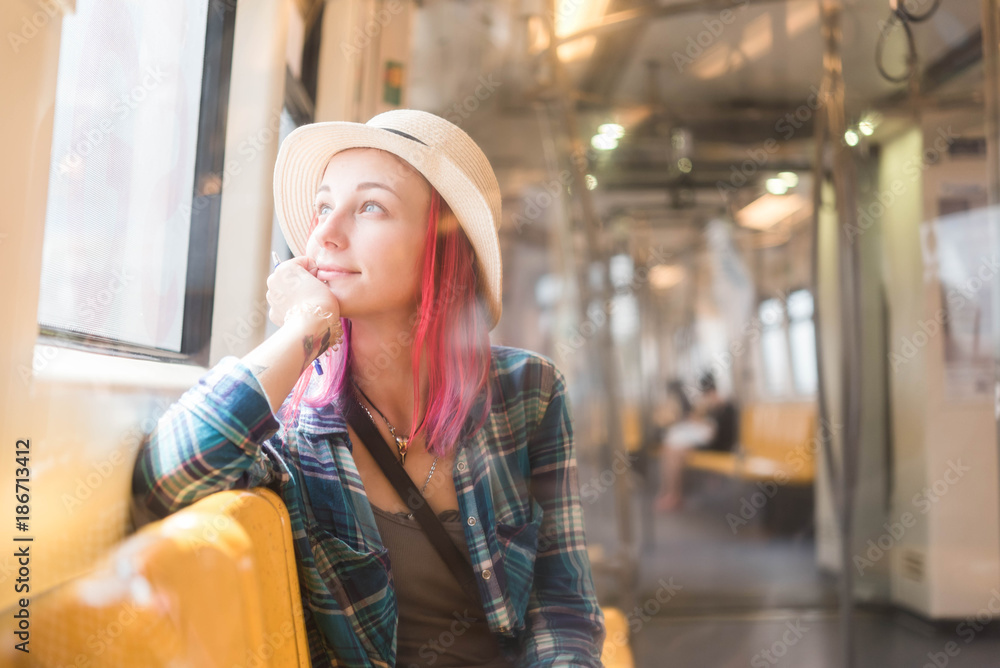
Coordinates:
(991, 112)
(844, 181)
(565, 104)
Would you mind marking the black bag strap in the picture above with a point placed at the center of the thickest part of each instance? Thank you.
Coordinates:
(414, 500)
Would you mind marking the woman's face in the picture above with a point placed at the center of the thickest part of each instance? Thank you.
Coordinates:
(368, 241)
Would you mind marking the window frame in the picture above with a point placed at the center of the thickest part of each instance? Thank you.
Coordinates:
(206, 200)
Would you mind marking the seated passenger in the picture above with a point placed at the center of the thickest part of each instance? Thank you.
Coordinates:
(392, 296)
(712, 425)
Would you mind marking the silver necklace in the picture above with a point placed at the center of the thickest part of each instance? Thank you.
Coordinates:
(401, 443)
(433, 466)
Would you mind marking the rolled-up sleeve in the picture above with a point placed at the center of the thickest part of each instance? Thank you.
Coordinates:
(208, 441)
(564, 623)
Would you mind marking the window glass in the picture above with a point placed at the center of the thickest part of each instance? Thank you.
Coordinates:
(125, 138)
(774, 347)
(802, 341)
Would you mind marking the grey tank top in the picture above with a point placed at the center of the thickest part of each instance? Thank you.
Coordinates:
(438, 625)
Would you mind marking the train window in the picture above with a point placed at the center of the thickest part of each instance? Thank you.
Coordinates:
(774, 347)
(298, 109)
(131, 224)
(802, 341)
(279, 248)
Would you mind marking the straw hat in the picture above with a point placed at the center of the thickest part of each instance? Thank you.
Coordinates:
(447, 157)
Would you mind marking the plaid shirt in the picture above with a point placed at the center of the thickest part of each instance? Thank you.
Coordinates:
(516, 480)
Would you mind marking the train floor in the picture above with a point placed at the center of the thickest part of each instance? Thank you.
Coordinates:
(808, 639)
(714, 597)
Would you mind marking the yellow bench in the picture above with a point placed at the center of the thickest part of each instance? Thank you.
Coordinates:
(211, 585)
(617, 649)
(214, 584)
(778, 443)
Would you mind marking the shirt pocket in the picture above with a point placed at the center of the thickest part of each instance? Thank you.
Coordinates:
(352, 577)
(517, 535)
(337, 563)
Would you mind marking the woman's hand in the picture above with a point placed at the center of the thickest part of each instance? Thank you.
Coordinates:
(313, 314)
(294, 285)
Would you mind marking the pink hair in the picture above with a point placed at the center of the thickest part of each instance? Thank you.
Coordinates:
(450, 328)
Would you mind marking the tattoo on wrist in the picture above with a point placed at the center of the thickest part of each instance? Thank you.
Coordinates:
(307, 348)
(324, 343)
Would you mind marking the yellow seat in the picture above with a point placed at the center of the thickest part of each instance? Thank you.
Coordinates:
(214, 584)
(211, 585)
(617, 651)
(723, 463)
(777, 443)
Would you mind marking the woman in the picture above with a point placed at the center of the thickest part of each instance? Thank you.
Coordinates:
(712, 426)
(394, 289)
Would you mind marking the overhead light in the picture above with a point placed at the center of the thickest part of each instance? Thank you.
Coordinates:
(869, 121)
(612, 130)
(791, 179)
(768, 210)
(776, 186)
(717, 60)
(799, 16)
(756, 42)
(538, 36)
(680, 139)
(851, 137)
(621, 269)
(757, 39)
(548, 289)
(665, 276)
(684, 164)
(603, 142)
(571, 16)
(578, 49)
(591, 181)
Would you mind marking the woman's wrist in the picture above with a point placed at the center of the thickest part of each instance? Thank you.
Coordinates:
(320, 328)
